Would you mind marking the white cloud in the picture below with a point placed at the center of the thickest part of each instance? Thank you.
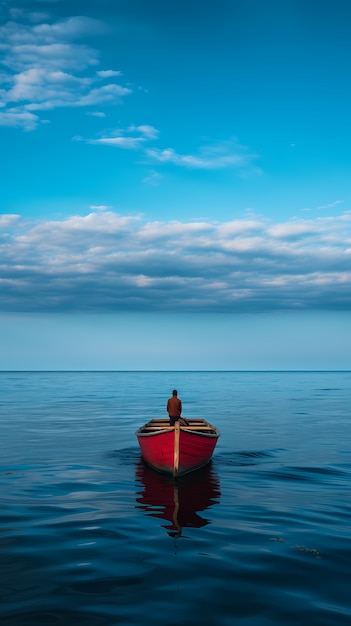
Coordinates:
(8, 219)
(96, 113)
(132, 138)
(18, 118)
(107, 93)
(70, 28)
(100, 207)
(108, 73)
(104, 261)
(228, 154)
(237, 227)
(43, 88)
(153, 179)
(44, 63)
(19, 32)
(152, 231)
(147, 131)
(168, 155)
(58, 55)
(130, 143)
(329, 205)
(292, 229)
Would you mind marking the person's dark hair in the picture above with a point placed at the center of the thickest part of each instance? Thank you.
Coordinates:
(174, 392)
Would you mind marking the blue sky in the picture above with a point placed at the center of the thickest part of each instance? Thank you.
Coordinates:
(175, 184)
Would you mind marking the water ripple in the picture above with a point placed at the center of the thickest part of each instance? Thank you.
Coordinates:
(91, 537)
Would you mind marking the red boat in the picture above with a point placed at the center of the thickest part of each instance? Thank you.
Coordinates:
(177, 449)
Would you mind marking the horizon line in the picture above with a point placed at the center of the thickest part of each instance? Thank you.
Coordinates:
(18, 371)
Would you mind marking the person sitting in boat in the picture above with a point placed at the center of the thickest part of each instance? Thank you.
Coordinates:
(174, 408)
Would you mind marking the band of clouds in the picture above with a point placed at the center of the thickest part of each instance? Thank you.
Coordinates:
(105, 262)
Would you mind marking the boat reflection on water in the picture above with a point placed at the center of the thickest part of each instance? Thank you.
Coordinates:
(178, 502)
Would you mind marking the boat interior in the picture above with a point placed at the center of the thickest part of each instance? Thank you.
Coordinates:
(196, 424)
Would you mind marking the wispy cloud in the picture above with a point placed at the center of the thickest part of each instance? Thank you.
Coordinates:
(328, 206)
(96, 113)
(221, 155)
(107, 262)
(152, 178)
(132, 138)
(108, 73)
(224, 154)
(48, 66)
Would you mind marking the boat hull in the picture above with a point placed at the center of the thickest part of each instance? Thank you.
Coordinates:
(193, 449)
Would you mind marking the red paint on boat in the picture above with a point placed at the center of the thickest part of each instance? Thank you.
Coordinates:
(195, 450)
(196, 446)
(157, 449)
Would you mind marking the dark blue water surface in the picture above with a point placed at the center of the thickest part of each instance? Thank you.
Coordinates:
(90, 536)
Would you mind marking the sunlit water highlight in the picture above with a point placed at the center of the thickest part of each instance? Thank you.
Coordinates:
(90, 536)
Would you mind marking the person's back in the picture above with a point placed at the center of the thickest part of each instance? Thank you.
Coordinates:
(174, 407)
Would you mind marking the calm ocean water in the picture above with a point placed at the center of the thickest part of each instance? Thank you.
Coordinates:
(89, 535)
